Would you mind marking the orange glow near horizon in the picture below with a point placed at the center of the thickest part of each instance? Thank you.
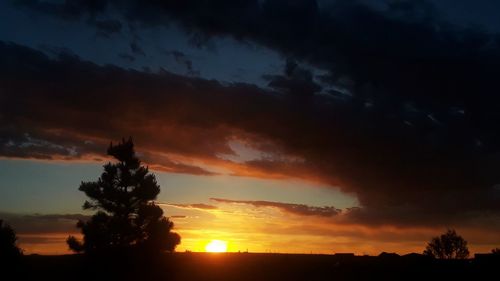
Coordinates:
(243, 228)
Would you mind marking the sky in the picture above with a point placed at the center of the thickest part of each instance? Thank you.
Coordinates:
(291, 126)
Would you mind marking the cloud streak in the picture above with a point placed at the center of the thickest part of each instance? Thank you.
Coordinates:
(196, 206)
(296, 209)
(43, 223)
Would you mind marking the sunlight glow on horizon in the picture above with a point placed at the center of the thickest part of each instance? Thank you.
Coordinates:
(216, 246)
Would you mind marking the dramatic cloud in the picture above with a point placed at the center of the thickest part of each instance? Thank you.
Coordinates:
(414, 135)
(296, 209)
(64, 109)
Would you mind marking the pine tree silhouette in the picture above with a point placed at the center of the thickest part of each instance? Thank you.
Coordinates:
(126, 217)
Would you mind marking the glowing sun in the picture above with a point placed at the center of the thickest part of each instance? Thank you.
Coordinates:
(216, 246)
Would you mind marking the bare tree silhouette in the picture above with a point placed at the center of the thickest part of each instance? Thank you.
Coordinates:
(449, 245)
(126, 217)
(8, 242)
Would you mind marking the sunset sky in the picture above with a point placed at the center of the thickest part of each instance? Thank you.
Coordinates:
(291, 126)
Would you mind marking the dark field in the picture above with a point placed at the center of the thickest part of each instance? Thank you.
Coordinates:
(247, 266)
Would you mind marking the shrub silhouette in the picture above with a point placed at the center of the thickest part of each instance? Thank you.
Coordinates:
(449, 245)
(496, 251)
(126, 217)
(8, 242)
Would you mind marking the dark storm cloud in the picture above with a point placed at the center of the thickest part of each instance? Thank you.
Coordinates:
(407, 69)
(296, 209)
(415, 135)
(391, 53)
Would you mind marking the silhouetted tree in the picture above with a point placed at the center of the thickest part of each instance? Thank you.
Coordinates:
(449, 245)
(126, 216)
(496, 251)
(8, 242)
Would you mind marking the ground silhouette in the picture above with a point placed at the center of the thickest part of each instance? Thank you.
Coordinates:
(127, 219)
(253, 266)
